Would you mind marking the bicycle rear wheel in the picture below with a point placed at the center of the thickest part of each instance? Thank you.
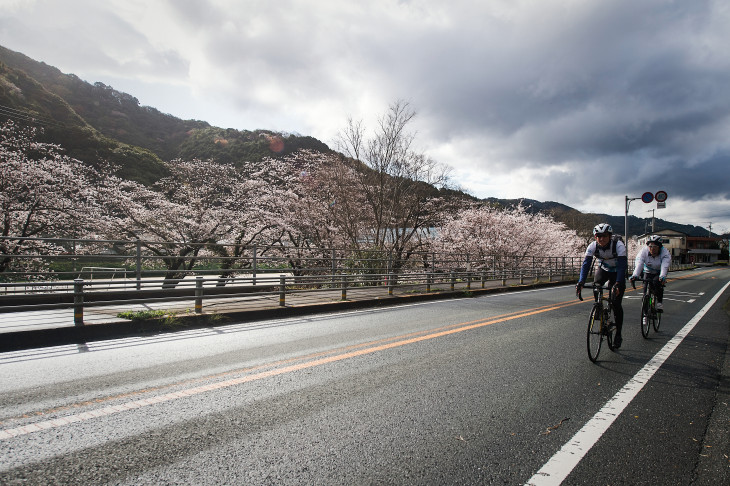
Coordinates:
(645, 316)
(594, 336)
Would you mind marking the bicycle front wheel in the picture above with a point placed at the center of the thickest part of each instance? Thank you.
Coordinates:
(610, 333)
(594, 336)
(645, 316)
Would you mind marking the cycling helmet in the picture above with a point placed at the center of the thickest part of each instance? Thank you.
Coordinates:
(656, 239)
(602, 228)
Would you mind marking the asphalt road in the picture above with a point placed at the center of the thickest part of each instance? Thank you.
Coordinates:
(496, 389)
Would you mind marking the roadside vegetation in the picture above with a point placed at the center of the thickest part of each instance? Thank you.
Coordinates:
(378, 194)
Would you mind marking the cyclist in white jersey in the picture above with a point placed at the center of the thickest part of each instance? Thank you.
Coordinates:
(612, 263)
(653, 262)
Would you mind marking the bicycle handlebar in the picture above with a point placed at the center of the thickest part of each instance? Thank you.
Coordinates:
(633, 282)
(593, 286)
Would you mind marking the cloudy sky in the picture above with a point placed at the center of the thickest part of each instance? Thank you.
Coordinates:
(583, 102)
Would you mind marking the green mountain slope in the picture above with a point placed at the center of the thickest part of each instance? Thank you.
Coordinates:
(24, 99)
(96, 121)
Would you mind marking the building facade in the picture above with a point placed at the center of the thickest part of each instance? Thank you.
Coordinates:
(688, 249)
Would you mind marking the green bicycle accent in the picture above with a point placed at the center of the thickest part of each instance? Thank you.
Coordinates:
(649, 315)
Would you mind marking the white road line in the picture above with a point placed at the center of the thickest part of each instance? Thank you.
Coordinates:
(677, 292)
(679, 300)
(564, 461)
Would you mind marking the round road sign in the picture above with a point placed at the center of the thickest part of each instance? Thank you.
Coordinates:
(647, 197)
(661, 196)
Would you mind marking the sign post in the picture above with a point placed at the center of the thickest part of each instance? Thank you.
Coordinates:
(626, 211)
(646, 198)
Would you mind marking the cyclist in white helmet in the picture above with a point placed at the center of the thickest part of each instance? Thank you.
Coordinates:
(612, 264)
(653, 262)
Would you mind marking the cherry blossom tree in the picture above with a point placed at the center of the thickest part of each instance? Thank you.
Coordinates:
(42, 193)
(633, 248)
(488, 234)
(328, 212)
(397, 183)
(261, 197)
(178, 216)
(202, 209)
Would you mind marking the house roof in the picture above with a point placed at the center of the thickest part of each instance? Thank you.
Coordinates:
(664, 232)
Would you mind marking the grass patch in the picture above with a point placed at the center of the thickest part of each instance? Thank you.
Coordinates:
(167, 318)
(142, 315)
(171, 319)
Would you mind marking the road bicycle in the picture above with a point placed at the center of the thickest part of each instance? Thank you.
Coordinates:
(650, 317)
(601, 323)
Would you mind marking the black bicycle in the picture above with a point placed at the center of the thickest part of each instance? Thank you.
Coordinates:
(650, 317)
(601, 323)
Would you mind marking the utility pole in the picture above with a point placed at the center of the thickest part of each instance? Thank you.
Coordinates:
(627, 203)
(652, 220)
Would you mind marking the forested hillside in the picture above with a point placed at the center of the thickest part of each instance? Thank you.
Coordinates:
(96, 122)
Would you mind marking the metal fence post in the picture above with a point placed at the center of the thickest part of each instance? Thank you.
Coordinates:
(483, 279)
(453, 280)
(78, 302)
(139, 264)
(391, 277)
(334, 265)
(198, 295)
(522, 277)
(344, 286)
(282, 291)
(73, 252)
(253, 272)
(429, 276)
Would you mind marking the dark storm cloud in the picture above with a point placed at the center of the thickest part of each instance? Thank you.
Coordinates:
(618, 71)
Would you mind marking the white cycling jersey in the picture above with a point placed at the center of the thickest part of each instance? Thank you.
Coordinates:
(605, 255)
(647, 263)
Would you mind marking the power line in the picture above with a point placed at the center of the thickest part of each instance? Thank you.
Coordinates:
(29, 117)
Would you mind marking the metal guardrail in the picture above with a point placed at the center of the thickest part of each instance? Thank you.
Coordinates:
(82, 294)
(43, 259)
(341, 272)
